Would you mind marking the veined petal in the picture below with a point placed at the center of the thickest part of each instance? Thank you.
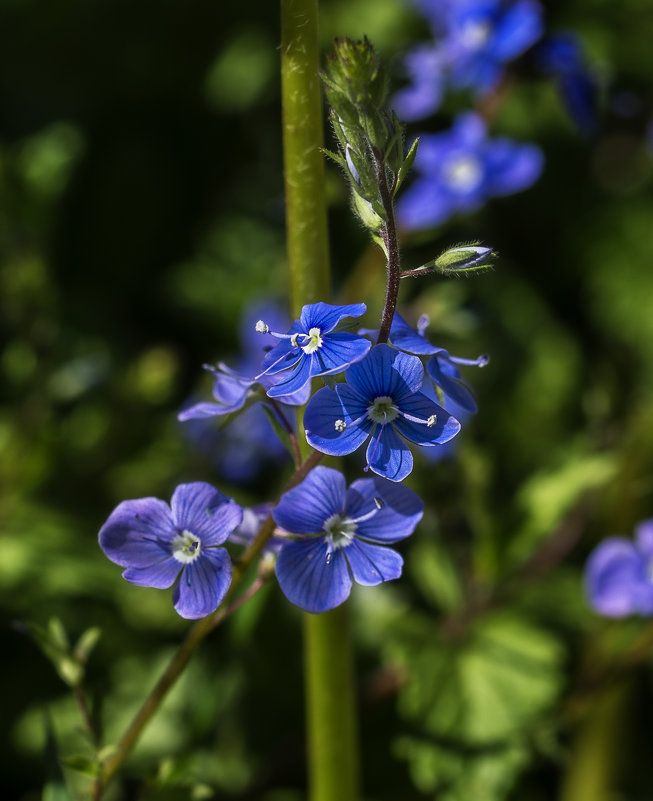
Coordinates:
(309, 578)
(230, 387)
(298, 398)
(386, 371)
(372, 564)
(283, 355)
(138, 533)
(304, 509)
(337, 352)
(326, 317)
(160, 575)
(201, 411)
(418, 405)
(406, 338)
(401, 512)
(294, 380)
(207, 513)
(388, 455)
(203, 584)
(447, 377)
(328, 406)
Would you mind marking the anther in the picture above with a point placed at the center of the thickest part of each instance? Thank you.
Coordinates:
(340, 425)
(262, 328)
(432, 420)
(379, 503)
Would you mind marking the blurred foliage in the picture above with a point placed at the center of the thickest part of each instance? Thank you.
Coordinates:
(141, 187)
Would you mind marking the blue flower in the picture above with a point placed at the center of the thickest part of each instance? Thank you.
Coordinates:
(157, 544)
(341, 534)
(475, 40)
(312, 348)
(459, 169)
(381, 402)
(619, 574)
(560, 56)
(442, 367)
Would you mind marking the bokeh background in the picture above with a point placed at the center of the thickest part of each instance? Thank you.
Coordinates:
(141, 217)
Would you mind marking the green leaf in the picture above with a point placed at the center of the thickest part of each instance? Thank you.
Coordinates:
(435, 574)
(86, 643)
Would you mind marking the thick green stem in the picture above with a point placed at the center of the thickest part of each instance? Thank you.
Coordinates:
(306, 219)
(333, 747)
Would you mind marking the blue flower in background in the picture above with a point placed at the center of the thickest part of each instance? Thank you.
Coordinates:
(312, 348)
(342, 534)
(157, 544)
(382, 402)
(459, 169)
(247, 531)
(475, 39)
(619, 574)
(561, 57)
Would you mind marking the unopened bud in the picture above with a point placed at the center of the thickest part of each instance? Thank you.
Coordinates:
(464, 258)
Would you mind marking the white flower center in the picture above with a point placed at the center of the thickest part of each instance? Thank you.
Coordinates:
(339, 530)
(314, 341)
(463, 173)
(382, 410)
(475, 34)
(186, 547)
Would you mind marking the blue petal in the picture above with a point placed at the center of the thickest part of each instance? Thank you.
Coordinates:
(517, 29)
(372, 564)
(138, 533)
(298, 398)
(418, 405)
(203, 584)
(304, 509)
(425, 203)
(207, 513)
(327, 406)
(311, 580)
(201, 411)
(511, 167)
(447, 377)
(281, 357)
(294, 380)
(404, 337)
(386, 372)
(644, 537)
(425, 68)
(402, 509)
(337, 352)
(388, 455)
(615, 579)
(160, 575)
(326, 316)
(230, 387)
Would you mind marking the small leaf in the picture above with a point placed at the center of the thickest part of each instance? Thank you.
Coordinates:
(408, 163)
(82, 764)
(86, 643)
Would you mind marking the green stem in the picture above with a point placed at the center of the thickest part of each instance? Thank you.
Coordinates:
(393, 269)
(332, 742)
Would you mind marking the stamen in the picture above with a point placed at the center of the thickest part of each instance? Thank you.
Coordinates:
(432, 420)
(379, 503)
(262, 328)
(480, 361)
(340, 425)
(423, 324)
(429, 421)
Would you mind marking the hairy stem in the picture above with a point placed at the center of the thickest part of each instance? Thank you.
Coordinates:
(393, 269)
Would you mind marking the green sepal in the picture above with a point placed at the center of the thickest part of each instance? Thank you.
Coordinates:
(367, 213)
(55, 645)
(406, 165)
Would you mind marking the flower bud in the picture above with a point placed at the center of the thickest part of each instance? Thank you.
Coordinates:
(464, 258)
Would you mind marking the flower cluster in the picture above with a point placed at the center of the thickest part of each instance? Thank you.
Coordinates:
(388, 390)
(475, 43)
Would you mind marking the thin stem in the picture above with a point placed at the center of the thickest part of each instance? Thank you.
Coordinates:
(297, 457)
(194, 638)
(393, 268)
(333, 746)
